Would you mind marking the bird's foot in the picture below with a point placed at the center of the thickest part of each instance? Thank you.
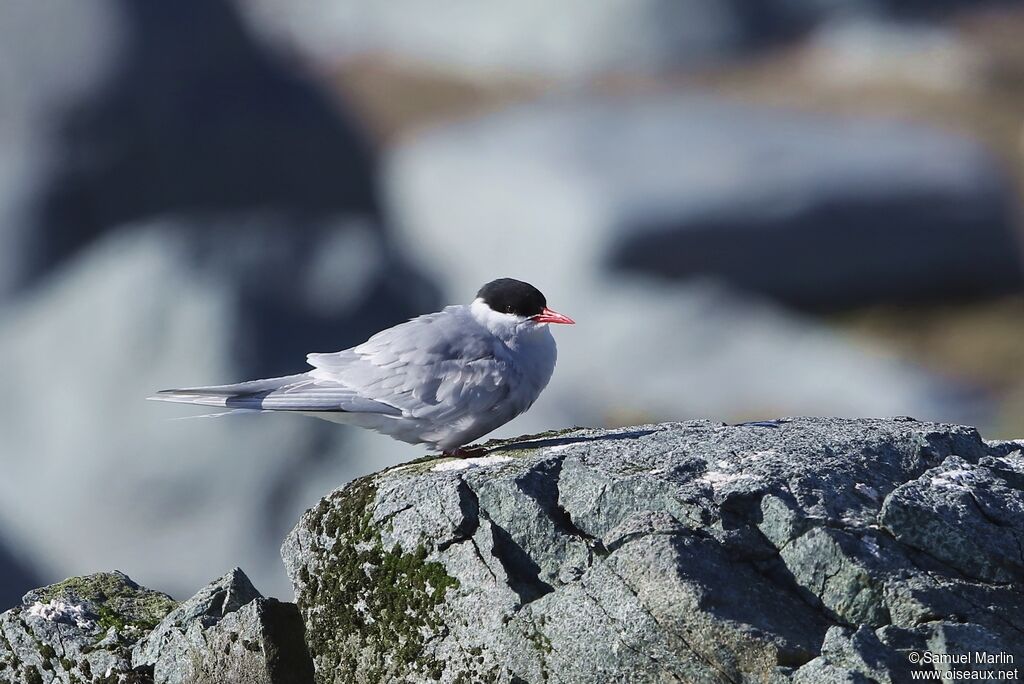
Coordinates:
(463, 452)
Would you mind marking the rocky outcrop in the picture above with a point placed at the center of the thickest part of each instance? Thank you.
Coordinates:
(81, 629)
(797, 550)
(803, 550)
(106, 628)
(227, 633)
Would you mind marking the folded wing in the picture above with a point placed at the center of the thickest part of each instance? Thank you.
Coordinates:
(438, 367)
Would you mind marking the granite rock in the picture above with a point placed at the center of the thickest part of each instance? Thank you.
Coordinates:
(806, 550)
(227, 632)
(80, 630)
(106, 629)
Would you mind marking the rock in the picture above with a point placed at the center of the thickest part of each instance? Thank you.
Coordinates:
(571, 40)
(849, 655)
(172, 303)
(966, 515)
(79, 630)
(804, 550)
(791, 205)
(106, 628)
(153, 124)
(872, 53)
(227, 632)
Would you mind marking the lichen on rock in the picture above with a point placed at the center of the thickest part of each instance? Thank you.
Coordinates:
(106, 629)
(82, 629)
(118, 602)
(804, 550)
(381, 598)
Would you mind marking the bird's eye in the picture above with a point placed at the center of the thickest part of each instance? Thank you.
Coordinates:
(508, 309)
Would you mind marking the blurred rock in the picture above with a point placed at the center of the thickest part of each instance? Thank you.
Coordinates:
(587, 198)
(177, 209)
(814, 211)
(570, 39)
(921, 56)
(174, 303)
(39, 89)
(173, 108)
(696, 552)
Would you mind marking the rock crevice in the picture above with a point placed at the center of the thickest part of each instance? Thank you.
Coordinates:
(794, 550)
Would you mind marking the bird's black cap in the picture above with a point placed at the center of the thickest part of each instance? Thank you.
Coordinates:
(507, 295)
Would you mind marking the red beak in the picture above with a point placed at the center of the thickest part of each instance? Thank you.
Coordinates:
(549, 316)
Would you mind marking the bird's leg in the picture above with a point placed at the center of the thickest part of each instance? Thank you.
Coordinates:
(463, 452)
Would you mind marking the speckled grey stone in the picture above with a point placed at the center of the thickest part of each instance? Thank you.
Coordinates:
(806, 550)
(79, 630)
(227, 633)
(106, 629)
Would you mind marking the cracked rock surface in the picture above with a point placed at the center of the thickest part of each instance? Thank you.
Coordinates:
(799, 550)
(105, 628)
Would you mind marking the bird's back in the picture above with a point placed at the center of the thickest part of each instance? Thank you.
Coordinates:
(451, 378)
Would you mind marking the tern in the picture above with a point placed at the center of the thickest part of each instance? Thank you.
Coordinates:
(442, 379)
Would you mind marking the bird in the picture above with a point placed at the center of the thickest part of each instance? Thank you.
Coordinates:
(442, 379)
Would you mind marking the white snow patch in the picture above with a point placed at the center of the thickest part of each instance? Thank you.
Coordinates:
(61, 611)
(467, 463)
(559, 447)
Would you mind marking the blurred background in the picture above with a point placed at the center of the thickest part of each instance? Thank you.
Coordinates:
(751, 209)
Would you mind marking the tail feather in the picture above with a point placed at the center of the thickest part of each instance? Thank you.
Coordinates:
(300, 393)
(227, 395)
(218, 414)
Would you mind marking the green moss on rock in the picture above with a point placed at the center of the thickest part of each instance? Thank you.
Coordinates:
(117, 601)
(368, 609)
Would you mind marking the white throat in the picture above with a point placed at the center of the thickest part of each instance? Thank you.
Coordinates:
(502, 325)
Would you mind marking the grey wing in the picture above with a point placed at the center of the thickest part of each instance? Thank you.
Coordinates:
(439, 366)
